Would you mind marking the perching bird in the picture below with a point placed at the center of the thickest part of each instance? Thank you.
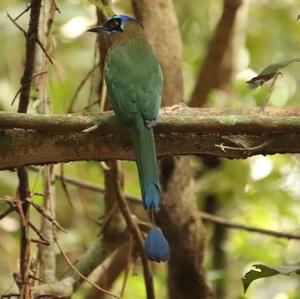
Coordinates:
(134, 82)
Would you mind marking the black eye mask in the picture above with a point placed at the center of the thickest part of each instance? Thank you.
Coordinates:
(113, 25)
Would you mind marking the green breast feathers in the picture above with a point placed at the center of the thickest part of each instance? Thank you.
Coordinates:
(134, 80)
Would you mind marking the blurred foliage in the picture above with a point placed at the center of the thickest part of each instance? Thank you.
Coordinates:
(260, 191)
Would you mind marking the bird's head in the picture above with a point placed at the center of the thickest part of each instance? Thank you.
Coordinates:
(115, 24)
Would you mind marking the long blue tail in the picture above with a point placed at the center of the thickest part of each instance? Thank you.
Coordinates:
(144, 147)
(156, 245)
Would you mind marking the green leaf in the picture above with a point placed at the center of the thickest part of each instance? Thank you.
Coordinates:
(262, 271)
(269, 73)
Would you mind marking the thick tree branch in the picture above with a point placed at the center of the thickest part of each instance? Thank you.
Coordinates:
(181, 131)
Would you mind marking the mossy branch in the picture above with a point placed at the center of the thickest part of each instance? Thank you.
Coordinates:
(41, 139)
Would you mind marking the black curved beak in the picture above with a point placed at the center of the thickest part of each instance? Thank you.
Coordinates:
(97, 29)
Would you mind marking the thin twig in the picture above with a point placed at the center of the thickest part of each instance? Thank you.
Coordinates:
(20, 211)
(56, 6)
(38, 233)
(35, 278)
(16, 24)
(64, 185)
(22, 13)
(82, 184)
(44, 50)
(8, 199)
(39, 241)
(25, 85)
(94, 103)
(247, 149)
(233, 225)
(42, 211)
(12, 208)
(90, 129)
(87, 186)
(79, 273)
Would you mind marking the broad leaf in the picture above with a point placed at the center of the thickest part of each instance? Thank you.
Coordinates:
(269, 73)
(261, 271)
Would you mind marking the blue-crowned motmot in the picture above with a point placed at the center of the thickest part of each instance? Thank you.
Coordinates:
(134, 82)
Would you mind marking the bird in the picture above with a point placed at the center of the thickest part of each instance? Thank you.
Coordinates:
(134, 81)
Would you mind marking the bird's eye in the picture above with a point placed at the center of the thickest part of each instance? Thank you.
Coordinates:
(115, 24)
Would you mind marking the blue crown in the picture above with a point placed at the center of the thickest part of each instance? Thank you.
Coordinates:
(123, 18)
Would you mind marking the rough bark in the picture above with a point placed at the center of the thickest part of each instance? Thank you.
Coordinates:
(185, 132)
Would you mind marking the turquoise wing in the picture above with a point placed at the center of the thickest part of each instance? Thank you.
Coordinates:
(134, 80)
